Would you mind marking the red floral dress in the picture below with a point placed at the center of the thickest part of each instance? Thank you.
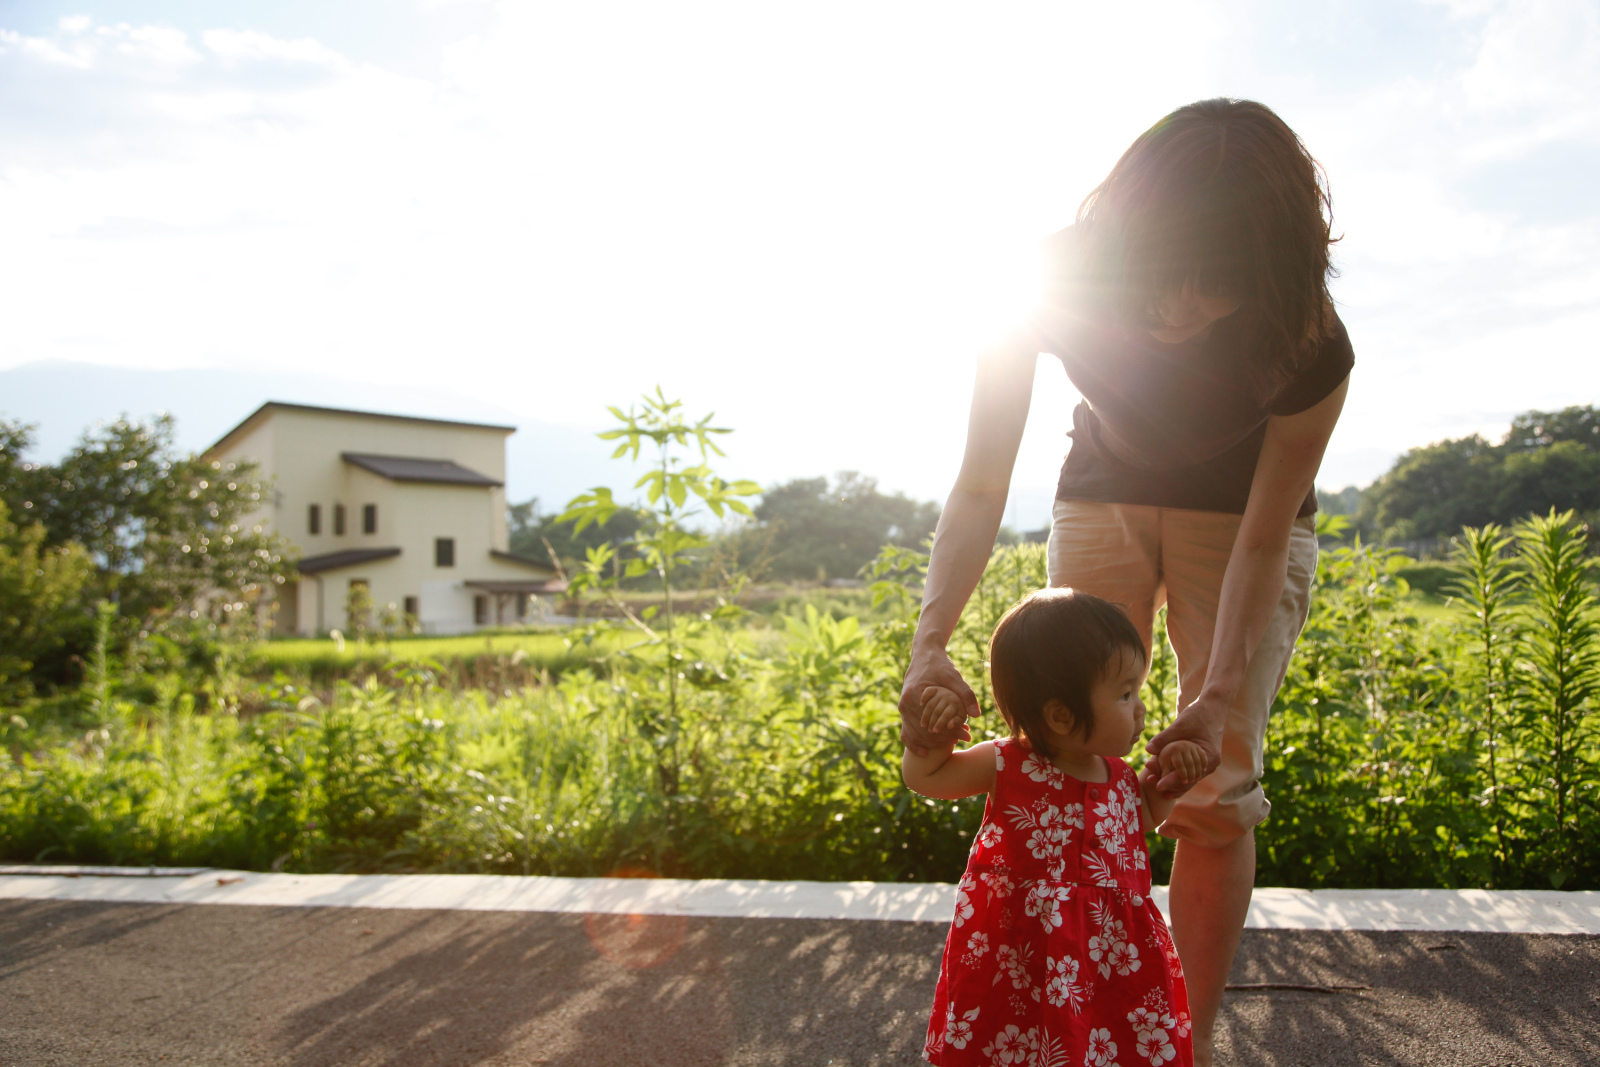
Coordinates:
(1057, 956)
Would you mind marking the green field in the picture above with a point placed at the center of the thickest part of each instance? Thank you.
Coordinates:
(545, 649)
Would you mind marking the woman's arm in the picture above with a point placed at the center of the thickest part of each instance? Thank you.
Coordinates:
(1253, 582)
(944, 774)
(967, 528)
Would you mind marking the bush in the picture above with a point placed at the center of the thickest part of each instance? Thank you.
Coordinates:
(40, 601)
(1402, 751)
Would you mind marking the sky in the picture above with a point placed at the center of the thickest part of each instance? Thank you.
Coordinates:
(807, 217)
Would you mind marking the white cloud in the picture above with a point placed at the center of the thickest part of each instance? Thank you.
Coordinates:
(798, 214)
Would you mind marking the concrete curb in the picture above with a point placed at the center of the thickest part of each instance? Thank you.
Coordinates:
(1517, 912)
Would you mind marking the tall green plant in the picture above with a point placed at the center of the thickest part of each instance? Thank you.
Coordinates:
(1560, 682)
(1487, 583)
(678, 494)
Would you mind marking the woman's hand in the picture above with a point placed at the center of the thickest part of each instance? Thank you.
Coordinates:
(1201, 725)
(931, 668)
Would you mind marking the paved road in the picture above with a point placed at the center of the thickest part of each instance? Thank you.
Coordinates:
(85, 985)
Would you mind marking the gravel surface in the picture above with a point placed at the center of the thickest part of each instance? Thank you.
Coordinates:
(84, 985)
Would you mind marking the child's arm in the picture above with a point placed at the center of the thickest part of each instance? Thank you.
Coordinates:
(1155, 807)
(945, 774)
(1187, 759)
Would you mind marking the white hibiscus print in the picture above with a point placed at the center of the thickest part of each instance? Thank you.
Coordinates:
(1181, 1024)
(989, 835)
(1124, 958)
(1013, 1045)
(1144, 1020)
(1048, 830)
(1109, 948)
(1112, 955)
(1013, 964)
(1118, 817)
(1044, 902)
(964, 900)
(1040, 769)
(1062, 988)
(977, 947)
(1154, 1046)
(1102, 1050)
(999, 882)
(957, 1032)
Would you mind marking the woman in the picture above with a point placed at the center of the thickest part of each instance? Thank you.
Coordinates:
(1189, 305)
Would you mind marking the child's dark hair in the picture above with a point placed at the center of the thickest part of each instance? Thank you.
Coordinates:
(1222, 195)
(1055, 645)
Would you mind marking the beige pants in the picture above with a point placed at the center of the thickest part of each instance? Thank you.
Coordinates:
(1140, 557)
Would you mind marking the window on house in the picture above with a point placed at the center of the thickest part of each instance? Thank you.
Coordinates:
(338, 520)
(413, 610)
(480, 609)
(444, 552)
(522, 606)
(314, 519)
(369, 518)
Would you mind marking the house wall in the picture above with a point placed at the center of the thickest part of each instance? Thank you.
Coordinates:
(302, 449)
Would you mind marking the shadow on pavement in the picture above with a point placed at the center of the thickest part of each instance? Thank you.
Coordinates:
(87, 984)
(630, 989)
(1445, 998)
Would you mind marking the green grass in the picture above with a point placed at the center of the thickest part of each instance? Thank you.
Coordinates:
(1431, 608)
(538, 650)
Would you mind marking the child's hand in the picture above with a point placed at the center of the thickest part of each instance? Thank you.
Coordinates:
(1185, 758)
(942, 710)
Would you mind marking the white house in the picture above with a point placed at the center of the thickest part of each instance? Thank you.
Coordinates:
(412, 508)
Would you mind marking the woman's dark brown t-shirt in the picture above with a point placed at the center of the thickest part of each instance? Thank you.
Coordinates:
(1176, 425)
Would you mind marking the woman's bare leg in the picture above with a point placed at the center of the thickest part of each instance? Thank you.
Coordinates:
(1210, 896)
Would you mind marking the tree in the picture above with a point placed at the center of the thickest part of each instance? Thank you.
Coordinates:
(1533, 430)
(822, 531)
(16, 475)
(169, 533)
(1433, 491)
(535, 535)
(1546, 460)
(41, 600)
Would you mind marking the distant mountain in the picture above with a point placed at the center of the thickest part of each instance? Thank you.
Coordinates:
(547, 460)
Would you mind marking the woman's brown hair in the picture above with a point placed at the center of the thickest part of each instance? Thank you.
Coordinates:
(1055, 645)
(1221, 195)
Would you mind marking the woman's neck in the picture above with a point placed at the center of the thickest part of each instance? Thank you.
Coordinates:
(1084, 766)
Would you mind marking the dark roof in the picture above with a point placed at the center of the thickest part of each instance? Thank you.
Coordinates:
(280, 405)
(413, 469)
(512, 588)
(332, 561)
(523, 560)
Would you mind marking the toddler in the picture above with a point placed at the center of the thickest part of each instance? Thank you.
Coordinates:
(1057, 955)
